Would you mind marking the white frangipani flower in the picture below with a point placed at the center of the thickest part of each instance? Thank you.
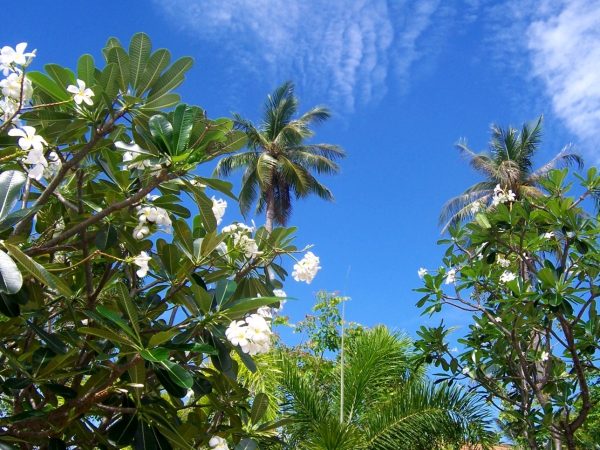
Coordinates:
(28, 138)
(140, 231)
(236, 333)
(8, 55)
(451, 276)
(218, 443)
(503, 262)
(264, 311)
(12, 86)
(549, 235)
(422, 272)
(307, 268)
(507, 276)
(252, 335)
(545, 356)
(81, 93)
(246, 244)
(142, 262)
(218, 209)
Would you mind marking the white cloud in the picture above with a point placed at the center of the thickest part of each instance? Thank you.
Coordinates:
(565, 53)
(346, 49)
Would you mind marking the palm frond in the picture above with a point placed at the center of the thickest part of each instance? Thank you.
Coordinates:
(249, 191)
(328, 151)
(565, 158)
(319, 164)
(232, 163)
(460, 208)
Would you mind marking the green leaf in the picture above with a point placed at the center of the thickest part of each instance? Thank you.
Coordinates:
(111, 315)
(38, 271)
(158, 61)
(129, 307)
(160, 338)
(162, 132)
(48, 86)
(123, 432)
(106, 237)
(110, 335)
(118, 56)
(11, 182)
(183, 121)
(139, 52)
(201, 297)
(11, 279)
(86, 69)
(16, 216)
(178, 374)
(224, 291)
(53, 342)
(163, 102)
(221, 186)
(259, 407)
(155, 355)
(109, 80)
(482, 220)
(149, 438)
(63, 77)
(8, 305)
(246, 444)
(183, 234)
(170, 255)
(171, 387)
(205, 205)
(48, 115)
(172, 78)
(248, 304)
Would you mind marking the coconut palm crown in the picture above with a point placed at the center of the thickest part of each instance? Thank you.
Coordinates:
(278, 161)
(509, 163)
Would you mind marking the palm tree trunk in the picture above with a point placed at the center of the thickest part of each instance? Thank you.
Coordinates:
(270, 209)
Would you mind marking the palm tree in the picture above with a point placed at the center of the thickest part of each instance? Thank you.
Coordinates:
(387, 404)
(278, 162)
(509, 163)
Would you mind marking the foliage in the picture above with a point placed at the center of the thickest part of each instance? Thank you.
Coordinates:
(526, 273)
(278, 162)
(509, 165)
(387, 403)
(114, 336)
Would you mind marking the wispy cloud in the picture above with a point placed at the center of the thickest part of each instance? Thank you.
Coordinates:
(345, 49)
(565, 52)
(556, 42)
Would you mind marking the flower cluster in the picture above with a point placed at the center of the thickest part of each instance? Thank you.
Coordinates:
(16, 89)
(34, 143)
(142, 262)
(242, 240)
(307, 268)
(502, 196)
(507, 276)
(218, 443)
(149, 216)
(451, 276)
(253, 335)
(422, 272)
(218, 209)
(503, 262)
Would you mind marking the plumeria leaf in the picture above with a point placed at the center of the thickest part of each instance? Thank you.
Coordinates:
(63, 77)
(11, 183)
(86, 69)
(48, 86)
(172, 78)
(183, 121)
(248, 304)
(53, 342)
(129, 307)
(106, 237)
(114, 317)
(64, 391)
(118, 56)
(246, 359)
(221, 186)
(11, 279)
(178, 374)
(123, 432)
(155, 355)
(110, 335)
(247, 444)
(158, 61)
(8, 305)
(162, 132)
(184, 236)
(37, 270)
(108, 80)
(163, 102)
(205, 205)
(223, 292)
(140, 47)
(170, 386)
(170, 255)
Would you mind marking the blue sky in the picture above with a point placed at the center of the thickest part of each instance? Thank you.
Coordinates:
(405, 79)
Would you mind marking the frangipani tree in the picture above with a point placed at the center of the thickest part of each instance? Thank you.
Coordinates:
(527, 276)
(116, 299)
